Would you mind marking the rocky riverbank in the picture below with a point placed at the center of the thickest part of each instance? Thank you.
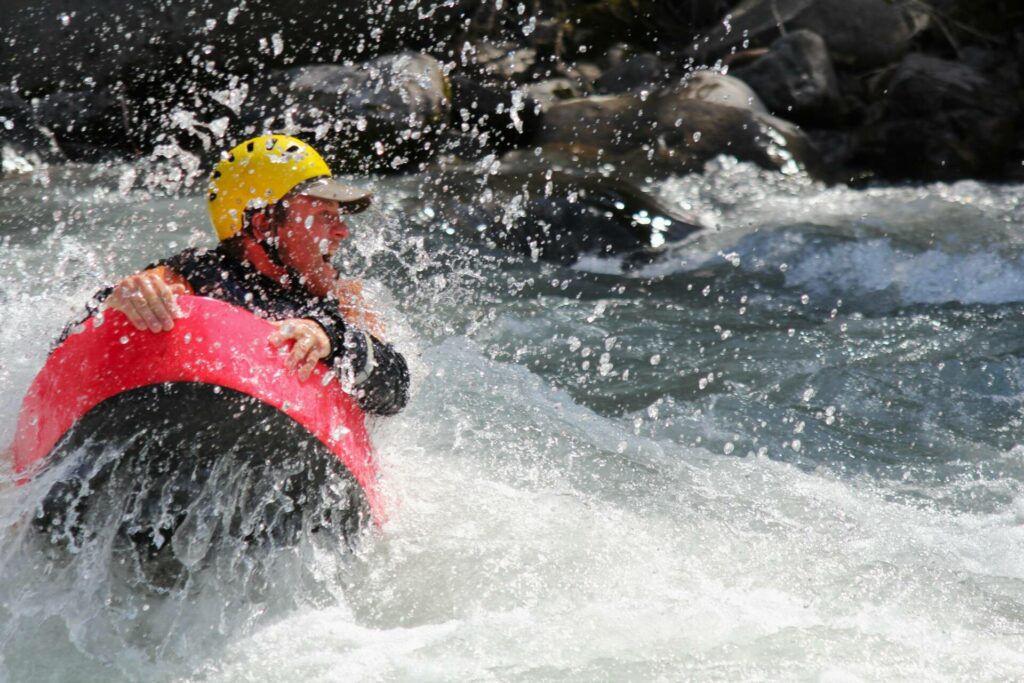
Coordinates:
(607, 92)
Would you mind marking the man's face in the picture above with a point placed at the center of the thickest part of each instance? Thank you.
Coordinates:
(310, 235)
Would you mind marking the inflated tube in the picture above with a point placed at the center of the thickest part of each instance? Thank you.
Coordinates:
(184, 402)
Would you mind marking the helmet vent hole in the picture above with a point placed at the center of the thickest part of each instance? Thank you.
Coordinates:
(216, 174)
(250, 146)
(292, 149)
(213, 195)
(231, 157)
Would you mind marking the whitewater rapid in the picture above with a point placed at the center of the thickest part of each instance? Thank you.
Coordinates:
(788, 451)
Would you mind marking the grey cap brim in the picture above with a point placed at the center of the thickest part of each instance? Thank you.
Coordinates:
(351, 199)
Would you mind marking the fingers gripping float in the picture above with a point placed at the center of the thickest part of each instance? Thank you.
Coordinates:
(310, 344)
(148, 299)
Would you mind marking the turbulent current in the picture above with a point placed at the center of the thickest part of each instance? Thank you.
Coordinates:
(788, 450)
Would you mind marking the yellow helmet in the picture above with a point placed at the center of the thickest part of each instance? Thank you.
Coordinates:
(261, 171)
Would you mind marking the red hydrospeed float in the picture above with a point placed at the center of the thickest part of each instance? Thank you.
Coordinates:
(199, 427)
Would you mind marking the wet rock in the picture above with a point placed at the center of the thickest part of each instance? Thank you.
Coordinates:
(939, 119)
(24, 144)
(860, 33)
(546, 93)
(51, 45)
(606, 124)
(584, 74)
(652, 23)
(673, 132)
(632, 73)
(554, 216)
(383, 114)
(500, 64)
(692, 132)
(718, 88)
(795, 79)
(88, 125)
(487, 119)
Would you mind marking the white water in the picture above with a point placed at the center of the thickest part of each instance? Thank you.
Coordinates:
(553, 522)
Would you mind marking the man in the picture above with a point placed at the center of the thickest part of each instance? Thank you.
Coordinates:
(277, 212)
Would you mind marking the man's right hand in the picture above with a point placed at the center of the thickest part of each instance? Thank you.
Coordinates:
(149, 301)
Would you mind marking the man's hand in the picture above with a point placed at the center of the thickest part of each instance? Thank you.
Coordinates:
(149, 301)
(310, 346)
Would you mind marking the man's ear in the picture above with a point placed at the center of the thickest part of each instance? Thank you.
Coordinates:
(262, 226)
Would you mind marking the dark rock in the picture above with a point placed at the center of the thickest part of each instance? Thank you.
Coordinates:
(836, 149)
(615, 55)
(556, 216)
(88, 125)
(925, 85)
(865, 33)
(939, 120)
(654, 24)
(632, 73)
(718, 88)
(54, 45)
(674, 132)
(24, 144)
(795, 79)
(546, 93)
(860, 33)
(382, 114)
(609, 124)
(487, 119)
(584, 75)
(980, 58)
(692, 132)
(499, 64)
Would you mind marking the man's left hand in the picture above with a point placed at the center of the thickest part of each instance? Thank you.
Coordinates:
(310, 344)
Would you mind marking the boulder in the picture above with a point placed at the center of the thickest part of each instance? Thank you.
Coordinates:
(674, 132)
(52, 45)
(584, 74)
(609, 124)
(546, 93)
(939, 120)
(633, 73)
(534, 210)
(860, 33)
(24, 144)
(486, 119)
(383, 114)
(717, 88)
(499, 64)
(691, 132)
(795, 79)
(654, 24)
(88, 125)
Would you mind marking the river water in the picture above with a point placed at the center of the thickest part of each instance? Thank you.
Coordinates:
(787, 451)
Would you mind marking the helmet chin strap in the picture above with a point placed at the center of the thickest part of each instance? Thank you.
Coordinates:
(263, 253)
(269, 247)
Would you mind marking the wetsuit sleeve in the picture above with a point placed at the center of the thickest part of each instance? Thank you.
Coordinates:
(376, 373)
(92, 307)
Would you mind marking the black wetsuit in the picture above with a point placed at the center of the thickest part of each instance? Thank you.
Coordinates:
(376, 374)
